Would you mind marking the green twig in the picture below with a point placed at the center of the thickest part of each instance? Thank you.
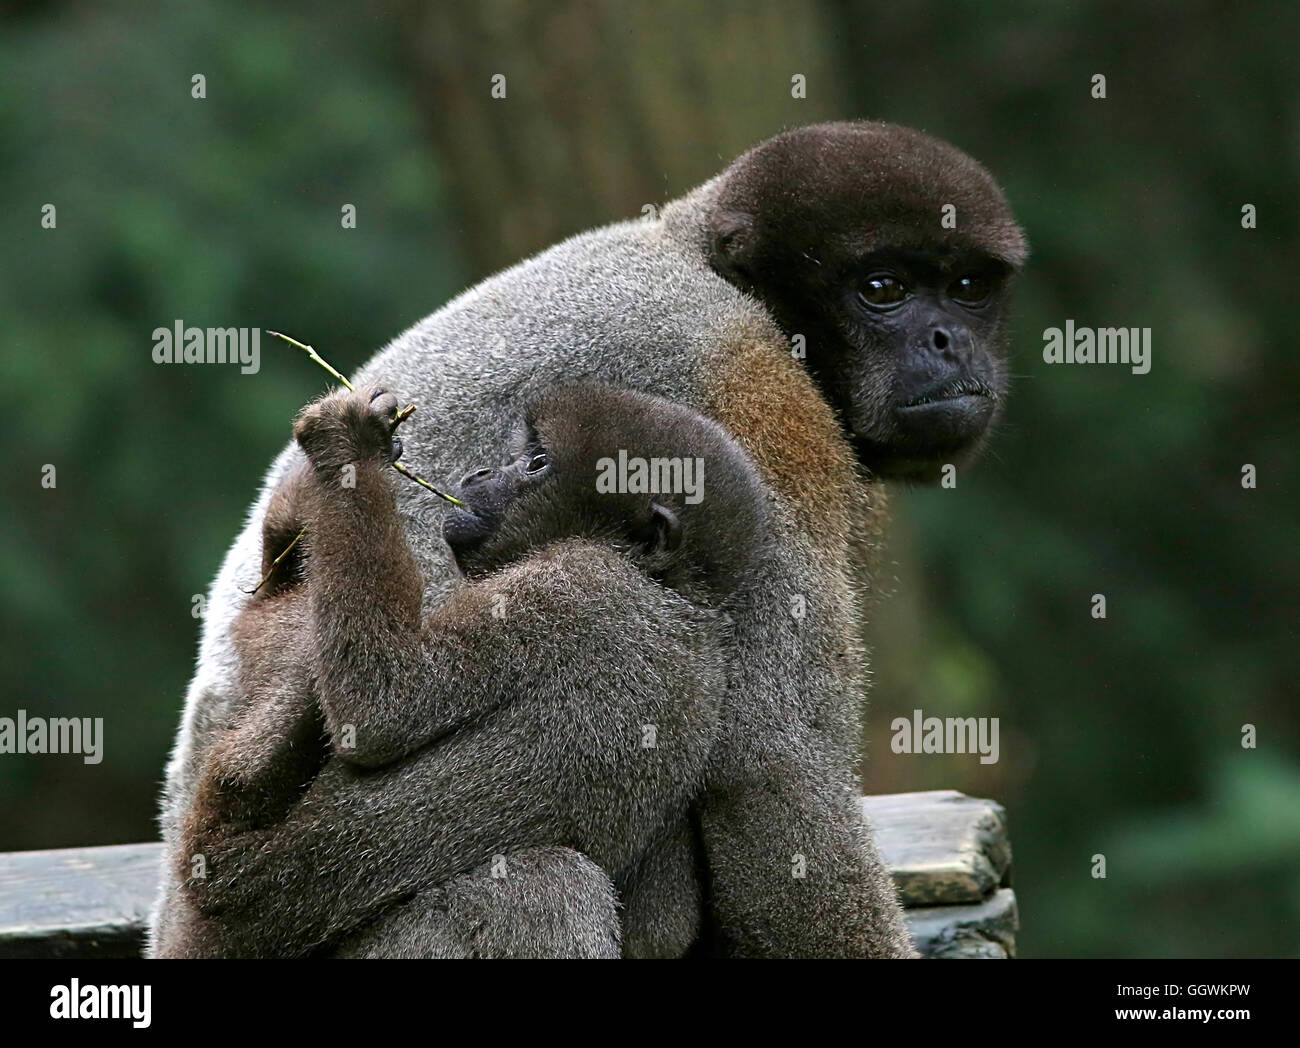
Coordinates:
(276, 563)
(315, 356)
(398, 419)
(401, 417)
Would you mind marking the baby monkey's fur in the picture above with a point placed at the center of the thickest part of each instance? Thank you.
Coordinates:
(525, 695)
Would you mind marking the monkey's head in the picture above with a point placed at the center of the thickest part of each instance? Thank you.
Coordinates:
(890, 252)
(649, 478)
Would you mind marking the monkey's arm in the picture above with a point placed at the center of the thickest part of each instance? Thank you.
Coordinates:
(255, 769)
(388, 681)
(793, 871)
(259, 767)
(263, 761)
(614, 691)
(250, 778)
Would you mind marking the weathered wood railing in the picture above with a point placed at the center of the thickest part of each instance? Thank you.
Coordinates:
(949, 856)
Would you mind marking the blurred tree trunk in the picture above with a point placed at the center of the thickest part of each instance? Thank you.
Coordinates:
(608, 106)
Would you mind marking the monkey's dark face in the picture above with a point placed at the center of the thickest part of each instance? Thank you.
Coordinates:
(914, 363)
(890, 253)
(906, 345)
(489, 493)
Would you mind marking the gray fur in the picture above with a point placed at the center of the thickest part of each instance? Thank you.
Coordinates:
(553, 903)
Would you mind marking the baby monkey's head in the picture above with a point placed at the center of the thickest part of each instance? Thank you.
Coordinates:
(649, 478)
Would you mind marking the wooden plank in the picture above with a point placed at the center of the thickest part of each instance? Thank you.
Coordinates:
(77, 902)
(941, 846)
(986, 930)
(948, 854)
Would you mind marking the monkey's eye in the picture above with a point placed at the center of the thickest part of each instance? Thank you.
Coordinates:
(537, 462)
(882, 291)
(971, 290)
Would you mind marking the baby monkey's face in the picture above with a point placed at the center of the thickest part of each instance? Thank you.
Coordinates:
(547, 492)
(489, 493)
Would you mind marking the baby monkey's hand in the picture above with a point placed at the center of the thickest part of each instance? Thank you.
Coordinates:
(350, 427)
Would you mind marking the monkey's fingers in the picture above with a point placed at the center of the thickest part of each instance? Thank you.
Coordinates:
(398, 418)
(382, 403)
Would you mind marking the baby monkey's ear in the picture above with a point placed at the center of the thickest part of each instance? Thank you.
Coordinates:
(666, 529)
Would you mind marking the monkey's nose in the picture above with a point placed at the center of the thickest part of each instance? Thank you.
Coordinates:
(940, 338)
(474, 476)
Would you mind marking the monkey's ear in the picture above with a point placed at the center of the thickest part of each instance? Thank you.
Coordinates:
(731, 241)
(666, 527)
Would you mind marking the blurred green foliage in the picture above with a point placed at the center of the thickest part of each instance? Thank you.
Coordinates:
(1122, 737)
(220, 212)
(1119, 737)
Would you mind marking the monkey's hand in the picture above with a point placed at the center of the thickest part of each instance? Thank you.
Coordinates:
(349, 427)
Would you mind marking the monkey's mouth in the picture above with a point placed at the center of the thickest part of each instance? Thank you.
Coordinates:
(939, 424)
(945, 418)
(966, 386)
(465, 527)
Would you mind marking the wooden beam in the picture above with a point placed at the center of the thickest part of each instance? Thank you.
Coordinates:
(948, 854)
(77, 902)
(941, 847)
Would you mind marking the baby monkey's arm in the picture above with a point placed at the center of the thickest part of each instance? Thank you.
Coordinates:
(388, 681)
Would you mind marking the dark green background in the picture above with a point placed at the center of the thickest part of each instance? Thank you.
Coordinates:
(1119, 737)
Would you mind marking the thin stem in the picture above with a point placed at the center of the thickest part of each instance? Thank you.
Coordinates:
(401, 417)
(314, 355)
(276, 563)
(425, 484)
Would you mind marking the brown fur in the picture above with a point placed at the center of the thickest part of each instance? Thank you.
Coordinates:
(811, 188)
(758, 392)
(555, 746)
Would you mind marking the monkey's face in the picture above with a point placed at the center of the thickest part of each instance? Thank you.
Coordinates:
(889, 252)
(489, 494)
(906, 345)
(547, 491)
(914, 363)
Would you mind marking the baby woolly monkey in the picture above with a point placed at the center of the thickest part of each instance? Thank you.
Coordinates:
(562, 703)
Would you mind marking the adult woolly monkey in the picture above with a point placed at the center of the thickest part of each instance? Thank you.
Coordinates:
(880, 252)
(528, 761)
